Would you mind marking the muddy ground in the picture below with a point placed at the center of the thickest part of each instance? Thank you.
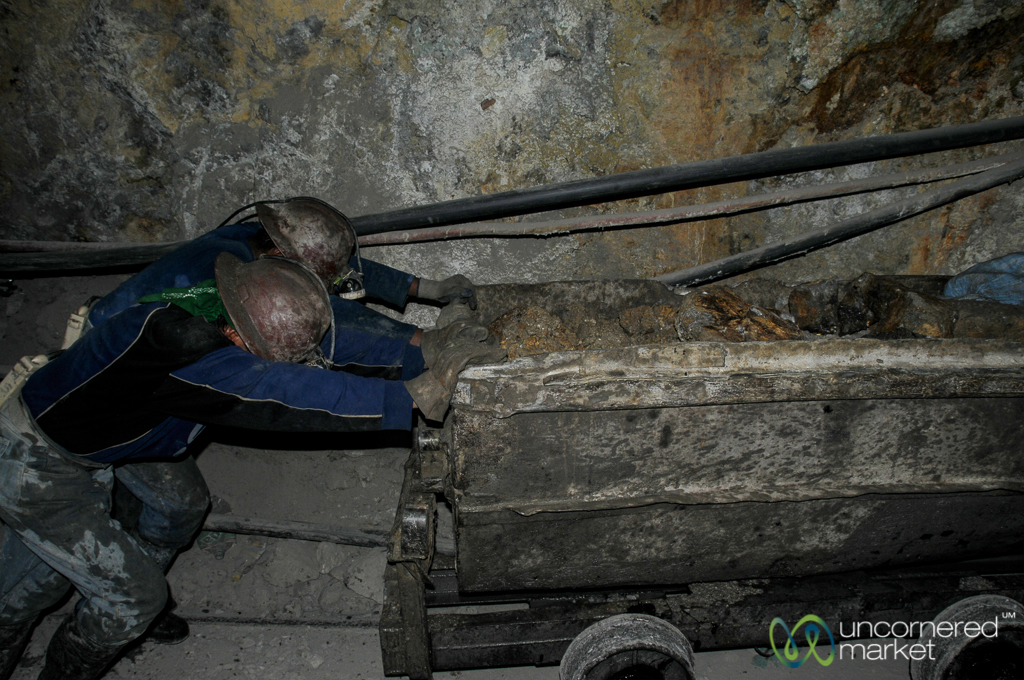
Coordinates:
(284, 609)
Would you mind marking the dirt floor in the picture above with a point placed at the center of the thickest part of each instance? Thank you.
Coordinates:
(284, 609)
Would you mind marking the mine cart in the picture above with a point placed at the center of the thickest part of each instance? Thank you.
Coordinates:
(575, 503)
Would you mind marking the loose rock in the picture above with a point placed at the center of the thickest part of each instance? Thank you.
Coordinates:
(717, 314)
(293, 562)
(531, 330)
(367, 576)
(649, 324)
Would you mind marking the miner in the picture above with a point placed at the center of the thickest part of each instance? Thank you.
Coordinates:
(245, 349)
(362, 341)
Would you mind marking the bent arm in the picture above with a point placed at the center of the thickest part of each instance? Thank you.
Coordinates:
(233, 387)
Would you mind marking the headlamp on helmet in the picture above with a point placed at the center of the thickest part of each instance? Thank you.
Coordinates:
(348, 284)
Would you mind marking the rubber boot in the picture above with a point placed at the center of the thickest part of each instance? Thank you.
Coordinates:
(168, 628)
(72, 656)
(13, 640)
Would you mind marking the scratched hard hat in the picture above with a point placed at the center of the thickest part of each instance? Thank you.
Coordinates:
(311, 232)
(279, 307)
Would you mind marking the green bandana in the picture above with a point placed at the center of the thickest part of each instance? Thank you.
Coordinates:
(202, 299)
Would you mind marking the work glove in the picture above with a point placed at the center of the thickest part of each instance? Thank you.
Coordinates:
(437, 338)
(432, 391)
(452, 313)
(453, 288)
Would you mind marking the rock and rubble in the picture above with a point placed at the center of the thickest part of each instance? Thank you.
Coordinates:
(882, 307)
(900, 307)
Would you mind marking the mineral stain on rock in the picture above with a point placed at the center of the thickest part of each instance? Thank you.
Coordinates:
(718, 314)
(900, 307)
(528, 330)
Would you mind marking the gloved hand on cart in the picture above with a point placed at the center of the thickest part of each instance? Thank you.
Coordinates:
(452, 313)
(453, 289)
(439, 337)
(432, 391)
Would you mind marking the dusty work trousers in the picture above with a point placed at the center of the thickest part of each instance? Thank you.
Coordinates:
(58, 533)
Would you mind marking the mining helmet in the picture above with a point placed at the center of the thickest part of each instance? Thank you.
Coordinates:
(316, 234)
(279, 307)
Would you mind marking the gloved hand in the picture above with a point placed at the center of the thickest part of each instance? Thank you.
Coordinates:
(436, 339)
(433, 390)
(456, 287)
(451, 313)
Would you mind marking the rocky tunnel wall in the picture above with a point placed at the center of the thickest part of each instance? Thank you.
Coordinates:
(131, 121)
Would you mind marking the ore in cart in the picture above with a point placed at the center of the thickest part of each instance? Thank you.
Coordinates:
(615, 509)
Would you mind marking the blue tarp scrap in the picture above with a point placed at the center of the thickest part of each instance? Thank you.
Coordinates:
(999, 280)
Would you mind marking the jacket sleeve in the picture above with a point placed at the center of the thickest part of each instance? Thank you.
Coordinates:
(376, 356)
(236, 388)
(385, 283)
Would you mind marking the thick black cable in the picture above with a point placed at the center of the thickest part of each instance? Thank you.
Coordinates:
(691, 175)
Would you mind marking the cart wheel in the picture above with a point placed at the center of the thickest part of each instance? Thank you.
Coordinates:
(628, 647)
(997, 654)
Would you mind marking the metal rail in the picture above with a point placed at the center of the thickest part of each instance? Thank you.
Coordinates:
(302, 531)
(845, 230)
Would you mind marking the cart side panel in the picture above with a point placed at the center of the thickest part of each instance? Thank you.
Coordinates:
(668, 543)
(774, 451)
(682, 462)
(675, 495)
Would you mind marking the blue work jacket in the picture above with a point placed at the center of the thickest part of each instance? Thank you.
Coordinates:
(143, 383)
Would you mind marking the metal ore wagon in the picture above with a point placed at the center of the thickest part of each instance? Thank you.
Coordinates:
(595, 494)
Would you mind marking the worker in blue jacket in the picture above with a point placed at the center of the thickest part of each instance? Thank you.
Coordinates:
(141, 384)
(367, 343)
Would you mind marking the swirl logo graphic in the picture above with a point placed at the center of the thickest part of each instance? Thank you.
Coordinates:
(812, 634)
